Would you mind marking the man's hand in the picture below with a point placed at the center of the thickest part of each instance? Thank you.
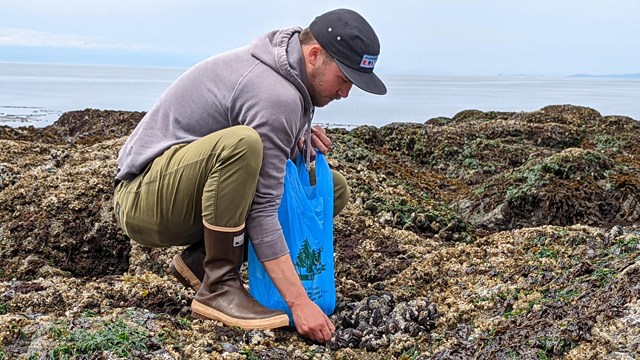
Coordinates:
(309, 319)
(319, 140)
(311, 322)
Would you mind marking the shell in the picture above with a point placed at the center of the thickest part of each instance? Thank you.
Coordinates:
(345, 338)
(370, 323)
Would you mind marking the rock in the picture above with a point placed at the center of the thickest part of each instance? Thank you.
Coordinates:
(227, 347)
(613, 234)
(496, 227)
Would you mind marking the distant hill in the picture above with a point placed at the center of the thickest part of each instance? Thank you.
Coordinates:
(521, 74)
(633, 76)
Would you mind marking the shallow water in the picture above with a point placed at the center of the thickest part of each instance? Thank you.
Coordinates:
(37, 94)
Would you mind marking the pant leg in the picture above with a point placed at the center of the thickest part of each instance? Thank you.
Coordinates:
(211, 180)
(341, 190)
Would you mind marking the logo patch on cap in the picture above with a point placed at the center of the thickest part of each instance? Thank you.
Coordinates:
(368, 61)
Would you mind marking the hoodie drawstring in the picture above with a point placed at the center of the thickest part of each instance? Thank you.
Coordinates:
(307, 159)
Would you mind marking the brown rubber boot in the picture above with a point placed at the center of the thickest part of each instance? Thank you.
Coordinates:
(188, 266)
(222, 296)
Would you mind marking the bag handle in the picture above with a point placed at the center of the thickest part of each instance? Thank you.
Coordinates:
(323, 187)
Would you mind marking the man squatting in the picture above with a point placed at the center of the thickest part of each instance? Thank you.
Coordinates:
(208, 161)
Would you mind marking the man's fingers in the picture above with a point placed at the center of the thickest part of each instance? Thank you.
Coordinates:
(321, 135)
(322, 333)
(324, 139)
(328, 329)
(312, 323)
(319, 140)
(326, 335)
(318, 129)
(332, 327)
(318, 144)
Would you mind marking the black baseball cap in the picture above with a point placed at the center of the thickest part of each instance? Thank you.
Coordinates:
(349, 38)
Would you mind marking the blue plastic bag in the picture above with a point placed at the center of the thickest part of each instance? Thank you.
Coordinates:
(306, 217)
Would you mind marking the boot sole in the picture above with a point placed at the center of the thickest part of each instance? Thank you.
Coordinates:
(203, 312)
(184, 275)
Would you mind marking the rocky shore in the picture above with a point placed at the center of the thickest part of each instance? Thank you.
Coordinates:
(489, 235)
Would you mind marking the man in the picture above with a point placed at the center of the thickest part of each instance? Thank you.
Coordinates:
(208, 160)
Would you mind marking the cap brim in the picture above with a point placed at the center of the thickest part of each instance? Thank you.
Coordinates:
(368, 82)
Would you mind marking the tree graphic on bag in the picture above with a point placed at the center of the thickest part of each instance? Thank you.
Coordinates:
(309, 262)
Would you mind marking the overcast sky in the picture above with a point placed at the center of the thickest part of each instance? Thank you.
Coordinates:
(458, 37)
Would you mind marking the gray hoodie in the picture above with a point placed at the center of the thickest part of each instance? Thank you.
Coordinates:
(263, 86)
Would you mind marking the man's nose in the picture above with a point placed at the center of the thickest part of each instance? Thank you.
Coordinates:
(344, 90)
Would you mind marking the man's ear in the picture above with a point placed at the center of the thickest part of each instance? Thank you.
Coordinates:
(314, 54)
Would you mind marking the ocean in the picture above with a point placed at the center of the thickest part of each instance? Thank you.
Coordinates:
(37, 94)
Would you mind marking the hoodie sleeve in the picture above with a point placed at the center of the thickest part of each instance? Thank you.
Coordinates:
(274, 109)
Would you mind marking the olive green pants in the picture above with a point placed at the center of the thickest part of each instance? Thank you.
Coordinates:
(212, 179)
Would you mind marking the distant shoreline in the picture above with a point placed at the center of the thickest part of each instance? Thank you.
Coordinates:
(392, 74)
(616, 76)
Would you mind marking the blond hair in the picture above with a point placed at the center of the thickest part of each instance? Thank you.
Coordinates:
(306, 37)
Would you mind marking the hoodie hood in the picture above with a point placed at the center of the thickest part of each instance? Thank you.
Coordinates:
(281, 51)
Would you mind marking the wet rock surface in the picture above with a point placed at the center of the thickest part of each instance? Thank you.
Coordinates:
(485, 235)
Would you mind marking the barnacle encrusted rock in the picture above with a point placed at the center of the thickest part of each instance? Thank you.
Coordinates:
(490, 235)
